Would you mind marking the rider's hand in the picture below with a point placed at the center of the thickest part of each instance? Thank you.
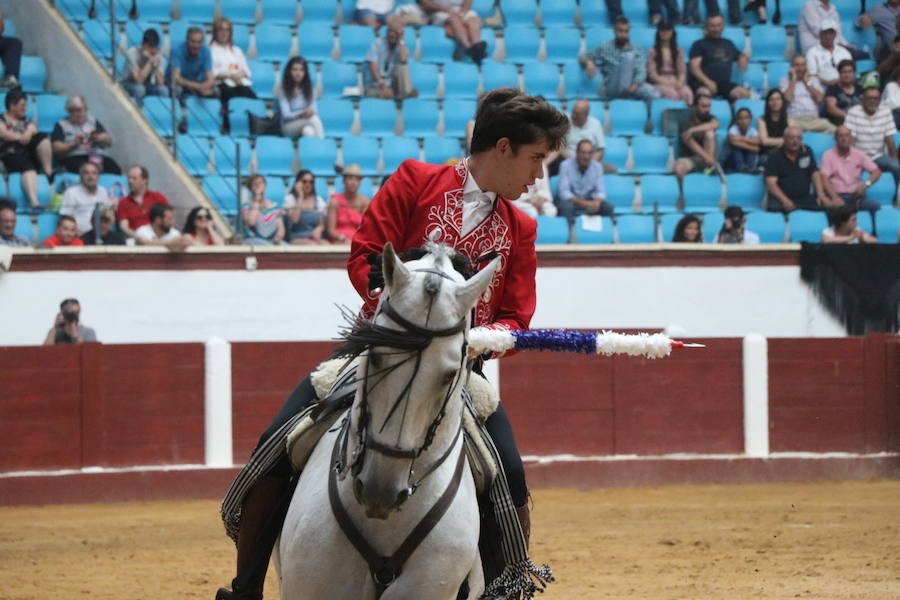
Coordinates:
(376, 273)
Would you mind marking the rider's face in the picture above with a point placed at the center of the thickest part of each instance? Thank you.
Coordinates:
(519, 169)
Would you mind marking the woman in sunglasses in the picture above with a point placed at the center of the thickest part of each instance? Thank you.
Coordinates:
(199, 228)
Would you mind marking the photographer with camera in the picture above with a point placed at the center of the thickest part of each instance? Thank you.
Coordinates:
(734, 230)
(67, 327)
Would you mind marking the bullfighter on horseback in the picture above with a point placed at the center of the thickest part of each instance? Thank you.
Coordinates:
(468, 207)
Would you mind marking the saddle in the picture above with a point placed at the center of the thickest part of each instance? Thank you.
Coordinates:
(335, 385)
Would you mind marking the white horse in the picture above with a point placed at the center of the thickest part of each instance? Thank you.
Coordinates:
(402, 484)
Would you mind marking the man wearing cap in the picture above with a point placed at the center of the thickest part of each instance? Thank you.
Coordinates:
(813, 16)
(822, 59)
(734, 230)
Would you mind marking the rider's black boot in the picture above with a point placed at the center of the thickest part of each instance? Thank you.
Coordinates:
(262, 515)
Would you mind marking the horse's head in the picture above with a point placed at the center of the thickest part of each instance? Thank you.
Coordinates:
(407, 411)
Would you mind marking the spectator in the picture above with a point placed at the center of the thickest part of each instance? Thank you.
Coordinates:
(791, 175)
(772, 124)
(687, 230)
(345, 210)
(144, 69)
(133, 210)
(81, 138)
(108, 235)
(190, 67)
(67, 327)
(8, 235)
(11, 54)
(888, 66)
(891, 98)
(743, 139)
(304, 189)
(160, 231)
(884, 18)
(581, 187)
(199, 229)
(22, 147)
(261, 220)
(304, 223)
(666, 66)
(815, 14)
(458, 18)
(822, 57)
(229, 66)
(712, 60)
(843, 229)
(842, 169)
(538, 199)
(386, 73)
(873, 127)
(622, 64)
(844, 94)
(66, 234)
(804, 94)
(373, 13)
(582, 126)
(697, 131)
(79, 201)
(734, 229)
(655, 8)
(297, 101)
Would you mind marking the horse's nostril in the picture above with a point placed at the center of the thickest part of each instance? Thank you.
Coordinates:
(357, 488)
(402, 496)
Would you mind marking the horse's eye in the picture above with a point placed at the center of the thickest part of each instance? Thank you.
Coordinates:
(449, 377)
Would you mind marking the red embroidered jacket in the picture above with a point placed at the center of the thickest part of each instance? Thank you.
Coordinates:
(420, 198)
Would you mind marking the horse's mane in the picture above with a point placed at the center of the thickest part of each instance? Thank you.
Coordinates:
(359, 334)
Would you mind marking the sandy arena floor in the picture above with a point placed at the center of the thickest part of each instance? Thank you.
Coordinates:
(835, 540)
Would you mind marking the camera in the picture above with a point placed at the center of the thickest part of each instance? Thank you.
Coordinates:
(70, 316)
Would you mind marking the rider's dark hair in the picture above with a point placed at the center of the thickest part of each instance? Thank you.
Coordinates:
(508, 113)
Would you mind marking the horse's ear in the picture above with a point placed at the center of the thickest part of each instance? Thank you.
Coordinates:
(395, 272)
(467, 294)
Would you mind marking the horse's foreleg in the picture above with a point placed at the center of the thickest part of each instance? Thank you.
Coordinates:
(476, 579)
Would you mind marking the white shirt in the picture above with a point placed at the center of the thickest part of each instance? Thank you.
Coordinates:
(539, 189)
(823, 63)
(227, 60)
(477, 204)
(810, 22)
(803, 104)
(79, 204)
(891, 97)
(381, 7)
(591, 130)
(146, 233)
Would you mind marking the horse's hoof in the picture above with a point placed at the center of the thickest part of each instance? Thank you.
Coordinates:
(224, 594)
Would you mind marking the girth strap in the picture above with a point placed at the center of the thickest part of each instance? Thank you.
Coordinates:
(385, 570)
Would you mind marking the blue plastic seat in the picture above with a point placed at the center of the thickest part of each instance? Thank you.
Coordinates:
(636, 229)
(460, 80)
(193, 153)
(46, 226)
(434, 44)
(25, 228)
(336, 116)
(562, 44)
(316, 42)
(864, 39)
(238, 109)
(702, 193)
(807, 225)
(398, 149)
(275, 189)
(887, 224)
(366, 188)
(883, 191)
(745, 190)
(687, 36)
(336, 76)
(659, 192)
(154, 10)
(558, 12)
(497, 74)
(768, 42)
(667, 224)
(177, 33)
(225, 153)
(377, 117)
(282, 12)
(756, 107)
(594, 12)
(420, 117)
(643, 36)
(158, 112)
(628, 117)
(577, 83)
(203, 116)
(16, 193)
(518, 12)
(595, 35)
(240, 34)
(651, 154)
(790, 11)
(585, 236)
(736, 35)
(457, 114)
(542, 79)
(263, 79)
(775, 72)
(440, 149)
(274, 155)
(754, 77)
(318, 155)
(819, 143)
(96, 36)
(425, 78)
(721, 110)
(657, 107)
(320, 12)
(363, 151)
(552, 230)
(522, 43)
(273, 43)
(32, 74)
(616, 152)
(355, 41)
(224, 193)
(620, 192)
(198, 11)
(768, 225)
(239, 11)
(711, 225)
(50, 109)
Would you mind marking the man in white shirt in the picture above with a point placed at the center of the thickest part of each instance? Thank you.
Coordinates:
(804, 93)
(582, 126)
(160, 231)
(823, 58)
(80, 200)
(872, 124)
(813, 15)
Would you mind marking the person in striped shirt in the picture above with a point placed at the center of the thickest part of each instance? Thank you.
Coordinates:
(873, 127)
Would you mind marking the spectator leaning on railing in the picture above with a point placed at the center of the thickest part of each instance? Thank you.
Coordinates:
(80, 200)
(133, 211)
(66, 234)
